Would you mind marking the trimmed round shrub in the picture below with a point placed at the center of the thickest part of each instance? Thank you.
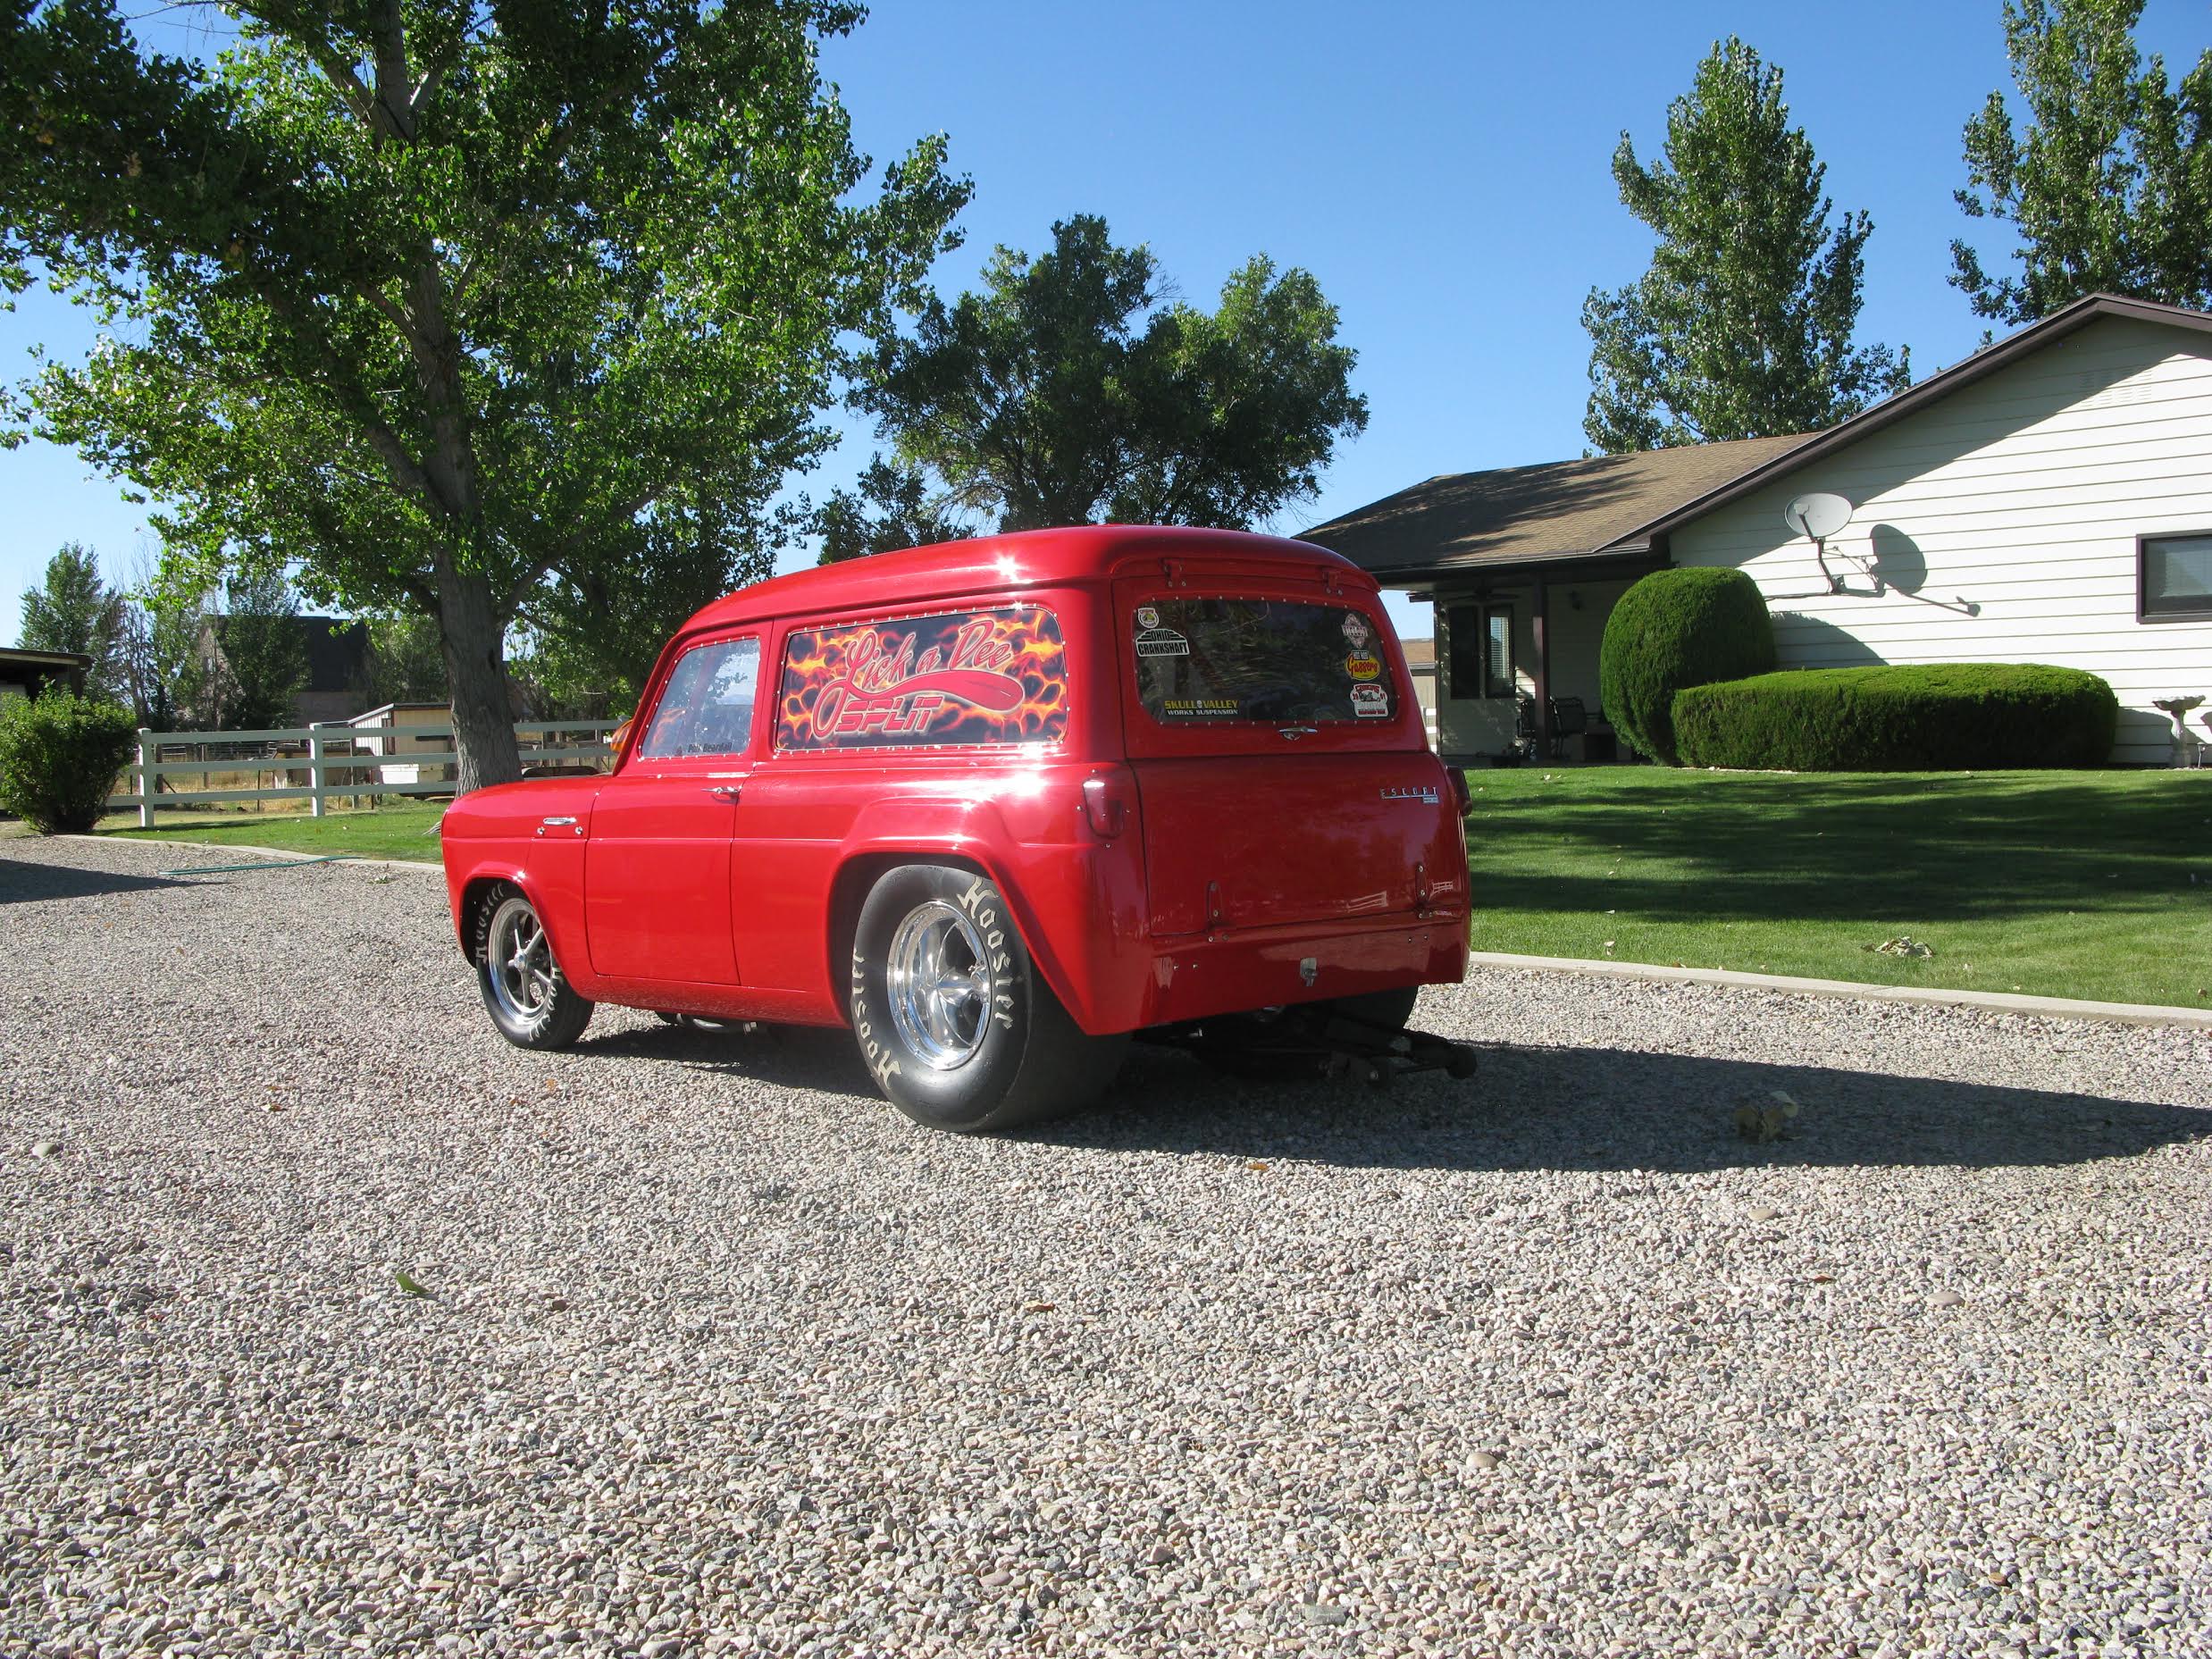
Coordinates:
(1672, 629)
(59, 754)
(1929, 717)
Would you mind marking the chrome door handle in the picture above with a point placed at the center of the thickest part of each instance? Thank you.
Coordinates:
(723, 792)
(1293, 732)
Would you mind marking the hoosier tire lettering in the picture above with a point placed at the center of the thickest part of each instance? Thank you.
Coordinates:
(976, 901)
(877, 1057)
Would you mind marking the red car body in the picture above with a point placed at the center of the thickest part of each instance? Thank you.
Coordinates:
(984, 705)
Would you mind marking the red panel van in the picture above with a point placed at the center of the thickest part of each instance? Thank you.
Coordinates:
(994, 806)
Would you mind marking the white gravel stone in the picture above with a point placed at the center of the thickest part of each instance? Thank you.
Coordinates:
(719, 1356)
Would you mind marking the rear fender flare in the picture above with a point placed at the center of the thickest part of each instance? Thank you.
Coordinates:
(864, 859)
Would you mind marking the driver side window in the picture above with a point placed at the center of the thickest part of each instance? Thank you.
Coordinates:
(707, 706)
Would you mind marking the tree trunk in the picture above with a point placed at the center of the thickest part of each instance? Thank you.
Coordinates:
(473, 636)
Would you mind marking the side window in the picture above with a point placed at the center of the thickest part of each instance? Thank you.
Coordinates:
(707, 706)
(958, 678)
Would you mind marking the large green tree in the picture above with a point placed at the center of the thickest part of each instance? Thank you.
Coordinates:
(2109, 187)
(1742, 327)
(1067, 392)
(72, 610)
(455, 305)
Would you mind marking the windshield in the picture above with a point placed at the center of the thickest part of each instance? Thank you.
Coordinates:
(1211, 659)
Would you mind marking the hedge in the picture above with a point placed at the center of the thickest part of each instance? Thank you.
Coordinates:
(1932, 717)
(1672, 629)
(59, 754)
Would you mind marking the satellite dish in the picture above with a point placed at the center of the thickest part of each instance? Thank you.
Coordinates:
(1819, 517)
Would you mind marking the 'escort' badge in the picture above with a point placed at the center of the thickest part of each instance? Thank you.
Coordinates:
(1426, 793)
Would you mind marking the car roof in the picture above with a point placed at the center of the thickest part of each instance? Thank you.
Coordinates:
(1028, 558)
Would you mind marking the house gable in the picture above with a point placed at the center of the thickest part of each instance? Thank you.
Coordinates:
(1996, 521)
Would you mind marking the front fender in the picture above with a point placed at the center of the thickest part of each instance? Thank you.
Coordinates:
(551, 877)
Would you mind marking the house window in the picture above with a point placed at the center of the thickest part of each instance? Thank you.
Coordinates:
(2174, 576)
(1481, 663)
(1497, 651)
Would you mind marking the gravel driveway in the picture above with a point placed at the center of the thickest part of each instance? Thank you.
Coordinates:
(719, 1356)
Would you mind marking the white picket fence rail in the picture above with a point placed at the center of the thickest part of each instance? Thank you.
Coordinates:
(333, 755)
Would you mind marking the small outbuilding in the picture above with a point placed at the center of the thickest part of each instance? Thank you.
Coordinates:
(27, 673)
(2048, 500)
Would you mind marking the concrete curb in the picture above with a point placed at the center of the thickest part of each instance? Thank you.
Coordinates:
(2042, 1006)
(275, 855)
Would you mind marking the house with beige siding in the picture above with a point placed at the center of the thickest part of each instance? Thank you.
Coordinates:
(2049, 500)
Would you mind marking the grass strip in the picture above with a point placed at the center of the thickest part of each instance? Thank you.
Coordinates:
(2089, 885)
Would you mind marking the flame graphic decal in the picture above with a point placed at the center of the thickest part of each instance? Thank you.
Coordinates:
(963, 677)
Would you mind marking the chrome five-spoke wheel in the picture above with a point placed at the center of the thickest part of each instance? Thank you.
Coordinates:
(530, 1000)
(940, 983)
(522, 963)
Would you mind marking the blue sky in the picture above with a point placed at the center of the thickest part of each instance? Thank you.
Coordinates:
(1443, 170)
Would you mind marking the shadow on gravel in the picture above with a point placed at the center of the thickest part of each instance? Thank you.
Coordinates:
(790, 1057)
(1530, 1109)
(28, 884)
(1614, 1110)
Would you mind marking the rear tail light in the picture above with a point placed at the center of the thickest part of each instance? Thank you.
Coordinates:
(1460, 791)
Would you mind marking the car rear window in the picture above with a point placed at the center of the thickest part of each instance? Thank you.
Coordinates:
(1276, 660)
(964, 678)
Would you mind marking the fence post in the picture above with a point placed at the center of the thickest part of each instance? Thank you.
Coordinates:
(149, 771)
(315, 771)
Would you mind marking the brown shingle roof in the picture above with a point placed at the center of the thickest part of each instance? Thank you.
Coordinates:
(1557, 509)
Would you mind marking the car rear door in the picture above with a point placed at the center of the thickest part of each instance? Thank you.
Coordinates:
(1281, 766)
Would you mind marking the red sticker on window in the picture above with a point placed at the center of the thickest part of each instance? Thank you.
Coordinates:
(966, 677)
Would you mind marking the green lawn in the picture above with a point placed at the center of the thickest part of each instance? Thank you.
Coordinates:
(2058, 883)
(408, 830)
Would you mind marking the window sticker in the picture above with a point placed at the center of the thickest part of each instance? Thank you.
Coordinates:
(1162, 642)
(966, 677)
(1371, 702)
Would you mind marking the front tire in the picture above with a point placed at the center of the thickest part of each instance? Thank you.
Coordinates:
(529, 997)
(953, 1021)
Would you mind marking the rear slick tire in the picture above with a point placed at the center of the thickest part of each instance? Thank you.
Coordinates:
(954, 1023)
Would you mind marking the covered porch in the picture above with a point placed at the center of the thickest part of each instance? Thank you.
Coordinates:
(1530, 637)
(1523, 566)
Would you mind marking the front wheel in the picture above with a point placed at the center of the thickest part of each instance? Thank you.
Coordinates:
(954, 1020)
(529, 997)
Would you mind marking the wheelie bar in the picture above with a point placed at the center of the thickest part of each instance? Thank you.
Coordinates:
(1337, 1045)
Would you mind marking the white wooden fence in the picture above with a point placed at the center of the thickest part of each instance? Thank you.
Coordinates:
(342, 761)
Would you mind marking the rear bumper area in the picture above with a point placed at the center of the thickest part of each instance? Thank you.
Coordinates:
(1231, 972)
